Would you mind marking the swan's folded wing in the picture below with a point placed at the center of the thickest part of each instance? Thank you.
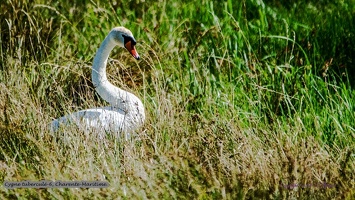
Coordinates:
(96, 119)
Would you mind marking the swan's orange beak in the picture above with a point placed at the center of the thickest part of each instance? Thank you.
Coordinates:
(130, 47)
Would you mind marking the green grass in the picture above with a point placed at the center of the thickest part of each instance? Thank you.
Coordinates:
(244, 99)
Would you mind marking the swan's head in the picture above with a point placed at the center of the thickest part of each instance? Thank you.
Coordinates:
(124, 38)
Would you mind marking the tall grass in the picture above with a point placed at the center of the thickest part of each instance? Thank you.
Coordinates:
(248, 99)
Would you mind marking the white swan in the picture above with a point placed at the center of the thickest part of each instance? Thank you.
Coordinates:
(126, 112)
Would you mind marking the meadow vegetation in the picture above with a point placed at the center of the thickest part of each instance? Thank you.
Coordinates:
(244, 99)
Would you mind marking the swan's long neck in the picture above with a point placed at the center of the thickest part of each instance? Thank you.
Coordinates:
(112, 94)
(100, 62)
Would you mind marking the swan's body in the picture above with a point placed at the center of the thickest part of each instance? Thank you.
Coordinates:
(126, 112)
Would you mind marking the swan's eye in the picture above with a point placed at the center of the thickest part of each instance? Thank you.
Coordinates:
(128, 39)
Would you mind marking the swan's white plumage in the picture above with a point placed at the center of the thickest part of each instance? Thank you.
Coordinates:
(126, 112)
